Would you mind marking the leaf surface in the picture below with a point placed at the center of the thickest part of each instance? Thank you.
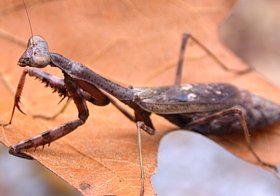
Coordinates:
(132, 43)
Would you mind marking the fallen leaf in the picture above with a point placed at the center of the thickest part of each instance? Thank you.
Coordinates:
(132, 43)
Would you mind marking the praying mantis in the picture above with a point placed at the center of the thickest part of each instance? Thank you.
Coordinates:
(81, 88)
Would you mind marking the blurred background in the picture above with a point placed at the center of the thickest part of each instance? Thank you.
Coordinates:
(188, 163)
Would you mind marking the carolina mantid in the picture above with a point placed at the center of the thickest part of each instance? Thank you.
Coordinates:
(215, 108)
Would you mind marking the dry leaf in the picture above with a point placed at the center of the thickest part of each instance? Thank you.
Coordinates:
(130, 42)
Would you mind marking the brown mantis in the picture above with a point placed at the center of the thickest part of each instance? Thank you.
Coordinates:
(206, 108)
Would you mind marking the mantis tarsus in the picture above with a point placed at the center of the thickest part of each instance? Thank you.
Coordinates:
(213, 108)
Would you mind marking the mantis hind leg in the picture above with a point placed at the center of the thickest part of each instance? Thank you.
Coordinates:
(234, 110)
(186, 37)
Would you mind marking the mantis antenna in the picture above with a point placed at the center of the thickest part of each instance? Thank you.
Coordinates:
(28, 17)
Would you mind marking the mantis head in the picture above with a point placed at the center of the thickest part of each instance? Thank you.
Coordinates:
(37, 53)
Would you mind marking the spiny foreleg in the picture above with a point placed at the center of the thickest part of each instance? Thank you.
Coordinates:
(53, 134)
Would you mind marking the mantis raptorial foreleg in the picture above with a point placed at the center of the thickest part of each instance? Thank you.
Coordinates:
(53, 134)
